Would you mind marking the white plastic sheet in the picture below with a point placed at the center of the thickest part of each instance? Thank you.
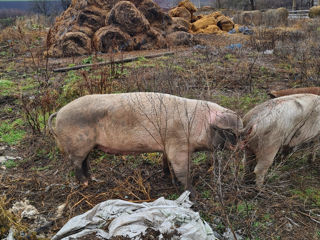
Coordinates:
(133, 219)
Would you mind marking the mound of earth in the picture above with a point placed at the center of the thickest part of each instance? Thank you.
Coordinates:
(113, 25)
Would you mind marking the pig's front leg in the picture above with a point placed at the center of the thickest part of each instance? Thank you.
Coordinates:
(180, 159)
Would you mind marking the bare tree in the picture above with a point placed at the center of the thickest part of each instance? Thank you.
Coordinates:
(294, 5)
(41, 6)
(219, 3)
(65, 4)
(252, 4)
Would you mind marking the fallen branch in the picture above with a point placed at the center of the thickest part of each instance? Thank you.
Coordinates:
(122, 60)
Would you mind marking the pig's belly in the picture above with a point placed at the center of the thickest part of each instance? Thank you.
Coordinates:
(125, 151)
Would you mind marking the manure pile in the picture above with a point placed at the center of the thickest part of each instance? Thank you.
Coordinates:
(113, 25)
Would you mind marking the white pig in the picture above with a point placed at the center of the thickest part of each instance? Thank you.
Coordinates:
(143, 122)
(280, 123)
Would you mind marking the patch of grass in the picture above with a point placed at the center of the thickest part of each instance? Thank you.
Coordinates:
(10, 67)
(243, 103)
(3, 53)
(87, 60)
(141, 62)
(151, 158)
(230, 57)
(206, 194)
(7, 110)
(199, 158)
(69, 89)
(173, 196)
(205, 216)
(28, 84)
(41, 168)
(7, 87)
(310, 194)
(10, 132)
(10, 163)
(245, 207)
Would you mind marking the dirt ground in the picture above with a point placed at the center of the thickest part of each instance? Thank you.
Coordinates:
(235, 71)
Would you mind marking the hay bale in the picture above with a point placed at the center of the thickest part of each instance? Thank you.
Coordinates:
(154, 14)
(111, 39)
(109, 25)
(128, 18)
(196, 18)
(180, 38)
(176, 28)
(215, 14)
(149, 40)
(79, 4)
(236, 28)
(109, 4)
(282, 16)
(92, 17)
(86, 30)
(180, 12)
(248, 18)
(182, 23)
(275, 17)
(75, 43)
(314, 12)
(212, 29)
(203, 23)
(59, 28)
(188, 5)
(225, 23)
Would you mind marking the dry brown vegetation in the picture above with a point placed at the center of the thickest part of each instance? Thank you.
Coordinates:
(235, 77)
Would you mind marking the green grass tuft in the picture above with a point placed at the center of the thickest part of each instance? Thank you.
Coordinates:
(11, 133)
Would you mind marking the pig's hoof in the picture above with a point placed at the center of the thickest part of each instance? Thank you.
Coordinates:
(193, 193)
(165, 174)
(85, 183)
(165, 171)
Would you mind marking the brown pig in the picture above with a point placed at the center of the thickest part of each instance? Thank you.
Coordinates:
(143, 122)
(280, 123)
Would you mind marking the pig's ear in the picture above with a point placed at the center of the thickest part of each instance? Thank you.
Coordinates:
(212, 117)
(218, 119)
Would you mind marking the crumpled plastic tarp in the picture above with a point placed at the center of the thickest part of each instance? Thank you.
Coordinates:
(133, 219)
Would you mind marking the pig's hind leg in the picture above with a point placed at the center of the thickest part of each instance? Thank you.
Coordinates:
(264, 161)
(249, 165)
(79, 158)
(81, 166)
